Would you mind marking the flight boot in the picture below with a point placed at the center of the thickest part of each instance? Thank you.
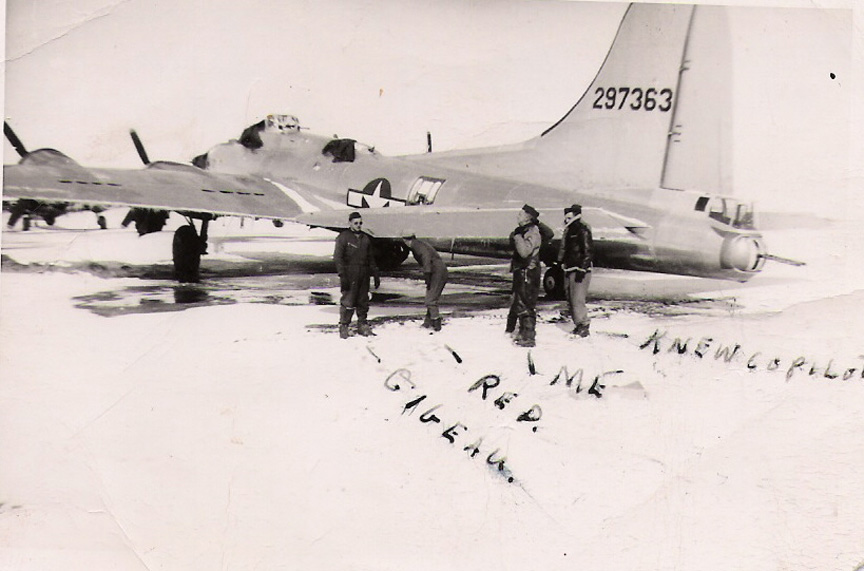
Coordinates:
(427, 321)
(345, 316)
(582, 330)
(436, 324)
(527, 324)
(363, 328)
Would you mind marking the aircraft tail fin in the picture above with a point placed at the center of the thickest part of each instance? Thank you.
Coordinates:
(654, 114)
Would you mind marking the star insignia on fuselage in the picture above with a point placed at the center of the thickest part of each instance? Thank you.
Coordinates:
(376, 194)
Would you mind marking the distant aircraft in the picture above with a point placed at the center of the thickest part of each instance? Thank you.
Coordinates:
(645, 150)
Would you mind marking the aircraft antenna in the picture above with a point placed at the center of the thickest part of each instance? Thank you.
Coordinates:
(428, 142)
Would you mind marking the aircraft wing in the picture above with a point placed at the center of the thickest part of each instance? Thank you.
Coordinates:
(49, 176)
(465, 223)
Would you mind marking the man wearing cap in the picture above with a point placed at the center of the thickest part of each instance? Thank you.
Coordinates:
(434, 274)
(575, 255)
(525, 241)
(355, 262)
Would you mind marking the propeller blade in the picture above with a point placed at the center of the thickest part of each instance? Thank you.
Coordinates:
(139, 146)
(14, 140)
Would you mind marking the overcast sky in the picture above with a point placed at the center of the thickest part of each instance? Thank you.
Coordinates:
(188, 75)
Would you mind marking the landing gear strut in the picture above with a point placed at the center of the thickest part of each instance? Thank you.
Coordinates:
(187, 249)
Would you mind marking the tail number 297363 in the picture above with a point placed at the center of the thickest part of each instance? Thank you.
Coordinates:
(635, 98)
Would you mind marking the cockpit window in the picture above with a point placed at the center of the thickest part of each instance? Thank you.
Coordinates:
(251, 136)
(282, 124)
(743, 216)
(718, 211)
(342, 150)
(701, 203)
(728, 211)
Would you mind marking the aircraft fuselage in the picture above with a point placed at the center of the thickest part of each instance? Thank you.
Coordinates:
(680, 232)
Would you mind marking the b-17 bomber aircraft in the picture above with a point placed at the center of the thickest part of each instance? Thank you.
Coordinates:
(645, 150)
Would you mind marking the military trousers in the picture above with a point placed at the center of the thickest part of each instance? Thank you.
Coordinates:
(576, 291)
(436, 284)
(526, 291)
(354, 282)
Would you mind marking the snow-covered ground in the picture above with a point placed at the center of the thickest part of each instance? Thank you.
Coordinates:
(727, 435)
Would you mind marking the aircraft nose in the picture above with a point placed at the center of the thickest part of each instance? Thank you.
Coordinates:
(743, 253)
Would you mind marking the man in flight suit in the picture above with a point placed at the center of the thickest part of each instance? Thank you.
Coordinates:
(435, 275)
(575, 255)
(525, 265)
(355, 262)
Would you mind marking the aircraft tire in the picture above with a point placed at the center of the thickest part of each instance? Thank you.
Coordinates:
(553, 282)
(186, 250)
(25, 223)
(389, 254)
(100, 220)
